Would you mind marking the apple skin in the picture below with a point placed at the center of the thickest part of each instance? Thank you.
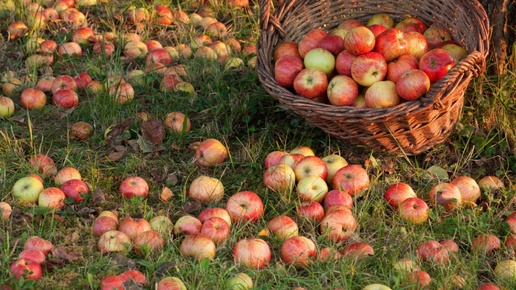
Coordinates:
(205, 188)
(332, 43)
(488, 286)
(114, 241)
(273, 158)
(338, 225)
(456, 51)
(397, 193)
(311, 83)
(311, 188)
(27, 189)
(411, 24)
(245, 206)
(253, 253)
(291, 159)
(187, 225)
(414, 209)
(32, 99)
(286, 69)
(283, 227)
(210, 152)
(65, 98)
(65, 174)
(400, 65)
(286, 48)
(435, 35)
(303, 150)
(416, 44)
(75, 189)
(52, 198)
(320, 58)
(336, 197)
(357, 251)
(150, 240)
(170, 283)
(198, 246)
(391, 44)
(34, 255)
(63, 82)
(485, 244)
(310, 165)
(419, 279)
(29, 269)
(298, 251)
(382, 94)
(382, 19)
(210, 212)
(446, 195)
(450, 245)
(280, 178)
(359, 40)
(342, 91)
(133, 227)
(81, 130)
(112, 282)
(134, 275)
(334, 162)
(352, 179)
(505, 270)
(436, 63)
(469, 189)
(310, 210)
(490, 184)
(343, 63)
(162, 224)
(217, 229)
(133, 186)
(413, 84)
(103, 224)
(433, 251)
(38, 244)
(240, 281)
(377, 29)
(70, 49)
(5, 211)
(310, 40)
(369, 68)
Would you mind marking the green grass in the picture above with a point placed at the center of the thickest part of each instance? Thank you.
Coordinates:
(233, 107)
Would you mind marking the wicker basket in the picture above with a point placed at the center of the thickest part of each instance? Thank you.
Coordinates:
(408, 128)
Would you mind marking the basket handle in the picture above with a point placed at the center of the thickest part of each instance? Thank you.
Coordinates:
(270, 21)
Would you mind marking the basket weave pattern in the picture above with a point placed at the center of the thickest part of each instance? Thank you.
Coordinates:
(408, 128)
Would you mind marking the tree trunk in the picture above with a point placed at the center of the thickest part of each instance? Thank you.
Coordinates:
(502, 17)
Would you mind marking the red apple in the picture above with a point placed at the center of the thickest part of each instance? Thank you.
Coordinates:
(17, 30)
(163, 15)
(310, 210)
(33, 255)
(83, 36)
(158, 55)
(65, 98)
(490, 184)
(38, 244)
(114, 241)
(29, 269)
(343, 63)
(70, 49)
(5, 211)
(135, 49)
(75, 189)
(391, 44)
(112, 282)
(170, 283)
(469, 189)
(198, 246)
(310, 165)
(178, 122)
(205, 188)
(337, 197)
(298, 251)
(342, 91)
(216, 228)
(286, 69)
(310, 40)
(357, 251)
(381, 19)
(400, 65)
(338, 225)
(411, 24)
(377, 29)
(291, 159)
(52, 198)
(273, 158)
(43, 163)
(148, 242)
(81, 130)
(133, 227)
(245, 206)
(414, 209)
(450, 245)
(133, 186)
(332, 43)
(369, 68)
(103, 224)
(134, 275)
(210, 152)
(511, 221)
(44, 84)
(280, 178)
(488, 286)
(382, 94)
(413, 84)
(283, 227)
(109, 214)
(303, 150)
(419, 279)
(352, 179)
(253, 253)
(210, 212)
(82, 80)
(485, 244)
(433, 251)
(435, 35)
(397, 193)
(63, 82)
(187, 225)
(436, 63)
(446, 195)
(359, 40)
(216, 30)
(311, 83)
(33, 99)
(416, 44)
(286, 48)
(327, 253)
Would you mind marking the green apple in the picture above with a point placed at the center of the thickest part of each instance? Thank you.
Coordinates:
(6, 107)
(27, 189)
(240, 281)
(376, 287)
(320, 58)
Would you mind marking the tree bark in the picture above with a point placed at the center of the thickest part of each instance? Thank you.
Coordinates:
(502, 18)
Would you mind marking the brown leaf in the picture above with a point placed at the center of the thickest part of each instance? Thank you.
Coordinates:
(66, 256)
(50, 264)
(116, 155)
(165, 269)
(166, 194)
(87, 212)
(153, 130)
(97, 196)
(120, 259)
(130, 284)
(191, 206)
(19, 217)
(118, 130)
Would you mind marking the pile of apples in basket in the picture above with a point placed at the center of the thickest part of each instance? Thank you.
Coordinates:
(377, 64)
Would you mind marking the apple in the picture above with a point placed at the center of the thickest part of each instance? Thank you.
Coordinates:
(133, 186)
(280, 178)
(320, 58)
(83, 36)
(310, 41)
(134, 275)
(133, 227)
(343, 63)
(75, 189)
(32, 99)
(336, 197)
(205, 52)
(5, 211)
(44, 84)
(158, 55)
(456, 51)
(216, 30)
(210, 152)
(510, 244)
(432, 251)
(505, 270)
(135, 49)
(286, 69)
(345, 26)
(63, 82)
(283, 227)
(435, 35)
(163, 15)
(351, 178)
(376, 286)
(391, 44)
(511, 221)
(342, 91)
(382, 19)
(413, 84)
(382, 94)
(38, 244)
(377, 29)
(446, 195)
(103, 47)
(253, 253)
(414, 209)
(187, 225)
(436, 63)
(137, 15)
(485, 244)
(310, 210)
(311, 188)
(334, 162)
(27, 189)
(400, 65)
(103, 224)
(405, 265)
(148, 242)
(109, 214)
(357, 251)
(490, 183)
(291, 159)
(169, 82)
(43, 163)
(411, 24)
(81, 130)
(65, 98)
(240, 281)
(112, 282)
(298, 251)
(12, 86)
(69, 49)
(197, 246)
(397, 193)
(17, 30)
(26, 268)
(50, 14)
(273, 158)
(245, 206)
(303, 150)
(368, 68)
(327, 253)
(210, 212)
(332, 43)
(217, 229)
(450, 245)
(170, 283)
(114, 241)
(34, 255)
(285, 48)
(162, 224)
(235, 46)
(488, 286)
(178, 122)
(310, 165)
(469, 189)
(205, 188)
(416, 44)
(6, 107)
(419, 279)
(338, 225)
(359, 40)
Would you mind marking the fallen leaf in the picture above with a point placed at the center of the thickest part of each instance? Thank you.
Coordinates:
(153, 131)
(50, 264)
(164, 269)
(144, 145)
(113, 133)
(166, 194)
(97, 196)
(18, 216)
(87, 212)
(67, 256)
(116, 155)
(191, 206)
(120, 259)
(130, 284)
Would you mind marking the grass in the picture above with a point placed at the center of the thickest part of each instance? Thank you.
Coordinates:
(232, 106)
